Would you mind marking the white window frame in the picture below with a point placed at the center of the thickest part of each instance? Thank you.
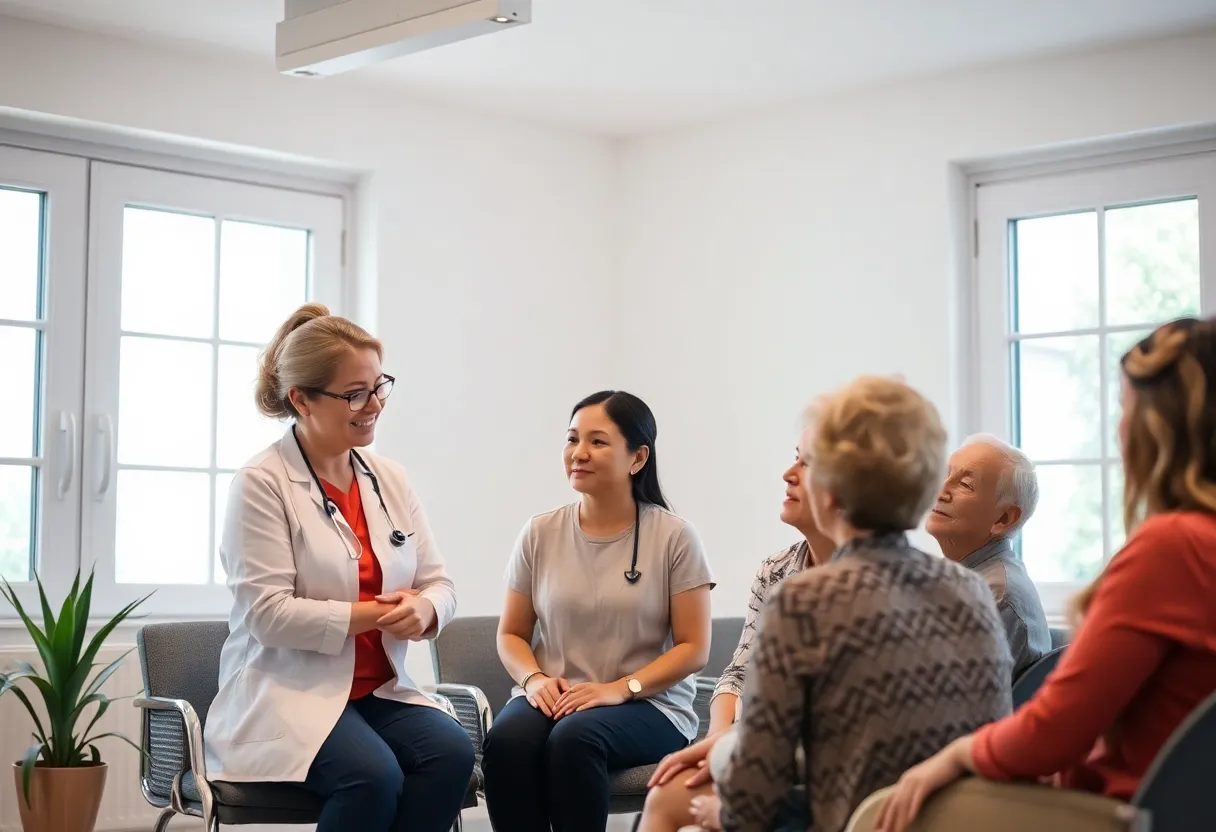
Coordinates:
(58, 161)
(56, 532)
(998, 203)
(112, 189)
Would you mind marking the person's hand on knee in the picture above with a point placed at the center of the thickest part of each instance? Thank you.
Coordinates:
(707, 810)
(543, 692)
(693, 757)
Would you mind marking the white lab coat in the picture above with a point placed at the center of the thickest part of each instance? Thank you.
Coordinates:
(287, 666)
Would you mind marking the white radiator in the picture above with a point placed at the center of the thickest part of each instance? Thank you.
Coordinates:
(123, 806)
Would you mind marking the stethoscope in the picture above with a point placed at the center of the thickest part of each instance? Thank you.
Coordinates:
(633, 574)
(396, 536)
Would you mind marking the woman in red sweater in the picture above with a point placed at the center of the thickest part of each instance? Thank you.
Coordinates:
(1144, 655)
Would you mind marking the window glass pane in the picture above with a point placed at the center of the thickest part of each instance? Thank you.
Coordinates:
(162, 529)
(168, 273)
(223, 481)
(156, 425)
(1114, 487)
(1117, 344)
(1063, 540)
(1057, 386)
(242, 431)
(20, 249)
(18, 415)
(17, 487)
(263, 278)
(1152, 262)
(1056, 272)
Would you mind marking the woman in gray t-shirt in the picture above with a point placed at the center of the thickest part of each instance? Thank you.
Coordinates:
(606, 620)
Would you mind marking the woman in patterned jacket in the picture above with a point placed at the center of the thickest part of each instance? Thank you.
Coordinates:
(880, 657)
(682, 780)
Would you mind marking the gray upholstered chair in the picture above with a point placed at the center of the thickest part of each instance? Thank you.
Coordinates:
(1060, 636)
(1176, 789)
(724, 640)
(1032, 677)
(470, 675)
(180, 664)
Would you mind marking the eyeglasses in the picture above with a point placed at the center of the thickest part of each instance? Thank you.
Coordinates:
(359, 398)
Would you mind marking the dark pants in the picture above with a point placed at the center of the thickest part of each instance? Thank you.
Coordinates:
(391, 767)
(541, 774)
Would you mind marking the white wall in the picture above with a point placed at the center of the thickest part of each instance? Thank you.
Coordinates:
(726, 272)
(774, 256)
(492, 240)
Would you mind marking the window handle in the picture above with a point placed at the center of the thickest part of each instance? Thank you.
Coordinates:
(105, 427)
(67, 426)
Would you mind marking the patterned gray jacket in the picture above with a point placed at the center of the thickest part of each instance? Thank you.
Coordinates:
(872, 663)
(773, 570)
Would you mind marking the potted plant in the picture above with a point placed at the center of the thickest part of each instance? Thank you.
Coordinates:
(60, 778)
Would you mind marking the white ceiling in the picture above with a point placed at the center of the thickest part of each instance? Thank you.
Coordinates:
(629, 66)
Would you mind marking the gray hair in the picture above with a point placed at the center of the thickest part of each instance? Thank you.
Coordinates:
(1019, 484)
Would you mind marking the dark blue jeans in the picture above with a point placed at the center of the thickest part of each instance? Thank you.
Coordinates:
(542, 774)
(391, 767)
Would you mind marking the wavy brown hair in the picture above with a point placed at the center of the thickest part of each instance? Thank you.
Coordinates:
(1169, 451)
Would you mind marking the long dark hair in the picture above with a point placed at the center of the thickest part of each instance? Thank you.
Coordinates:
(636, 423)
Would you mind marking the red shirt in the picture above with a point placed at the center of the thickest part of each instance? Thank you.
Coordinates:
(1143, 659)
(372, 667)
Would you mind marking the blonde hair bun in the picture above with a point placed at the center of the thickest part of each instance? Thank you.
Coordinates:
(304, 354)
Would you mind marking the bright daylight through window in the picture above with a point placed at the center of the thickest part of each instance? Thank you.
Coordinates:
(1073, 271)
(186, 279)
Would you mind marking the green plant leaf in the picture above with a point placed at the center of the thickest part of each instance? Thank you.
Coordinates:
(65, 629)
(39, 638)
(116, 735)
(48, 617)
(102, 707)
(102, 634)
(83, 605)
(94, 755)
(10, 684)
(27, 768)
(50, 696)
(100, 678)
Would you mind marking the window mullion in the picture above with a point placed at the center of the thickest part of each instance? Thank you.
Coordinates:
(215, 400)
(1103, 380)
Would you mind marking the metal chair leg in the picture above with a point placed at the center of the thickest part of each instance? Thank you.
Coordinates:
(162, 822)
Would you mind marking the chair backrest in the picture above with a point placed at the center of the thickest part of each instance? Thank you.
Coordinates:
(1032, 677)
(182, 661)
(724, 638)
(1059, 636)
(466, 653)
(1176, 789)
(974, 803)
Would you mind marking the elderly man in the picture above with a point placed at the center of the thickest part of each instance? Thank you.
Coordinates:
(991, 491)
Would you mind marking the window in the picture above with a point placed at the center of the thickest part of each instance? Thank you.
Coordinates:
(1072, 271)
(186, 278)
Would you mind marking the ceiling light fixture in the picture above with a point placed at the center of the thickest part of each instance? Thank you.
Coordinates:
(326, 37)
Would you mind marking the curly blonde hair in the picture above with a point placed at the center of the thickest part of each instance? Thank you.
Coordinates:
(879, 447)
(1169, 456)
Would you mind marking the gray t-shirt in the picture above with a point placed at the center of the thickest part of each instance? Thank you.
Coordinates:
(595, 626)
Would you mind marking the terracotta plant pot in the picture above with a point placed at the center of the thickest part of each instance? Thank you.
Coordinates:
(61, 799)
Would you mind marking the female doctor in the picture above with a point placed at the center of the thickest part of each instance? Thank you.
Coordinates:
(333, 572)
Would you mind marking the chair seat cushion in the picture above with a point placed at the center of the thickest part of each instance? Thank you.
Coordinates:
(274, 803)
(631, 780)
